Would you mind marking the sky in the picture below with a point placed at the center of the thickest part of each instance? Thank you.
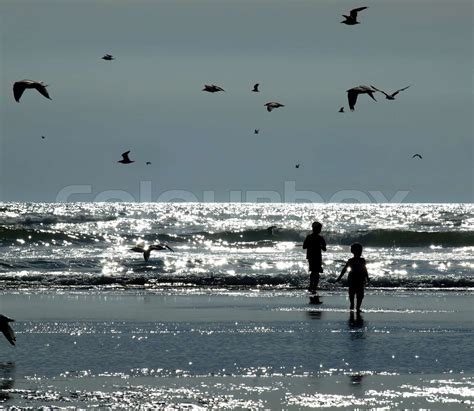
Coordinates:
(202, 146)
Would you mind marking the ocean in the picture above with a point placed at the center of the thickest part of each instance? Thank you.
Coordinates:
(224, 320)
(232, 245)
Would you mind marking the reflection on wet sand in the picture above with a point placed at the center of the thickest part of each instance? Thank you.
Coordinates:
(356, 379)
(357, 326)
(315, 314)
(7, 380)
(355, 321)
(315, 300)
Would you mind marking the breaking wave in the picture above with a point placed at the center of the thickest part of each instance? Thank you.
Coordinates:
(50, 219)
(276, 281)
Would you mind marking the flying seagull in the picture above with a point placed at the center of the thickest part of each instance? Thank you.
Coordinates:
(6, 329)
(390, 96)
(108, 57)
(148, 163)
(255, 88)
(417, 155)
(341, 110)
(212, 88)
(140, 248)
(125, 159)
(297, 165)
(43, 137)
(20, 86)
(270, 106)
(355, 91)
(352, 19)
(256, 131)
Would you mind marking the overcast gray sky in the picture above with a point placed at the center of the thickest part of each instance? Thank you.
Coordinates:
(149, 100)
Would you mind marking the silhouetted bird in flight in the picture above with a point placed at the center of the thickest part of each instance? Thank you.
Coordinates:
(125, 159)
(140, 248)
(390, 96)
(297, 166)
(352, 18)
(6, 329)
(341, 110)
(355, 91)
(417, 155)
(212, 88)
(43, 137)
(148, 163)
(255, 88)
(272, 105)
(108, 57)
(256, 131)
(20, 86)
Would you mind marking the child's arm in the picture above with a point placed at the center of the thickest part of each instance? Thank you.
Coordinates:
(305, 243)
(366, 273)
(323, 244)
(343, 271)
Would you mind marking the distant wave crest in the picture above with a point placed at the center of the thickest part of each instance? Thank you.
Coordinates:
(50, 219)
(9, 235)
(371, 238)
(252, 235)
(399, 238)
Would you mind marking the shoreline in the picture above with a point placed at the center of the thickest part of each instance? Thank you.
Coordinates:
(236, 349)
(157, 287)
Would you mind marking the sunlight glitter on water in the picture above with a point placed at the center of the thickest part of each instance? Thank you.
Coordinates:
(83, 238)
(251, 390)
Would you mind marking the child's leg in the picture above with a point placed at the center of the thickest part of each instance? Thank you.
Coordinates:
(351, 297)
(313, 281)
(316, 281)
(360, 297)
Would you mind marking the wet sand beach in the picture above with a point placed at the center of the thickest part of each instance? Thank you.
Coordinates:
(197, 348)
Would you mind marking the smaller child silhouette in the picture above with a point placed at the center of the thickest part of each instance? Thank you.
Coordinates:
(356, 277)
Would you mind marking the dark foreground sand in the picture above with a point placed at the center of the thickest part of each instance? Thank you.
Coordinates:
(192, 349)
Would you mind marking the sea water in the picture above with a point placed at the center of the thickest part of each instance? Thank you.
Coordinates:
(407, 245)
(224, 322)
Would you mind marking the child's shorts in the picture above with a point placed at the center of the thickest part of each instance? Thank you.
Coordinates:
(356, 290)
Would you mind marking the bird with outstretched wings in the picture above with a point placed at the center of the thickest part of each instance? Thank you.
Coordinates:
(6, 329)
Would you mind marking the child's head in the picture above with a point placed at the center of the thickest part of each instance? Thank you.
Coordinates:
(317, 226)
(356, 249)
